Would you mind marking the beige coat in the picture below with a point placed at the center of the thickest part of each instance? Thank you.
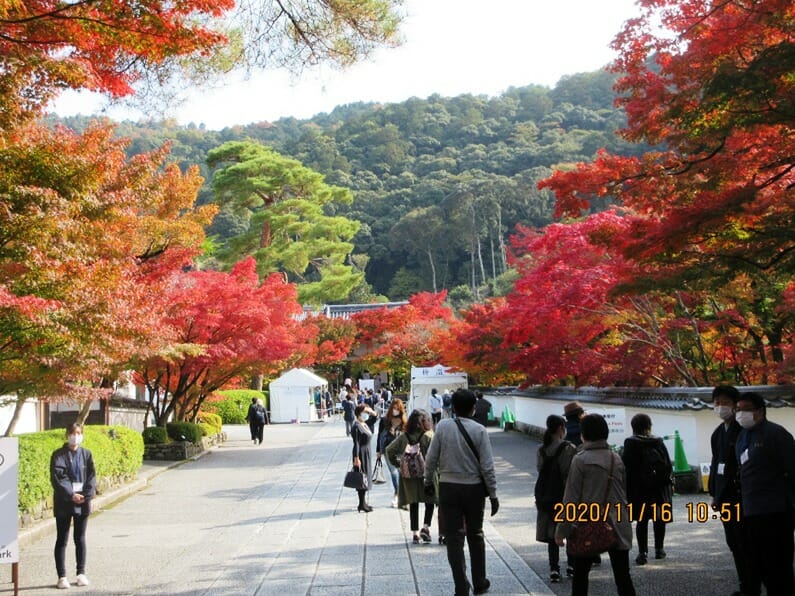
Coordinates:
(588, 477)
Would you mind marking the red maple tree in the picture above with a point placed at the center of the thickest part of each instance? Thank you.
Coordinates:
(710, 206)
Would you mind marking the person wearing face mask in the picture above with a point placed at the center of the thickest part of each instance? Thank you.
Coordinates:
(723, 486)
(74, 484)
(389, 428)
(362, 437)
(766, 456)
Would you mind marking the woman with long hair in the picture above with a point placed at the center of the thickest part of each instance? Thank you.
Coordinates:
(411, 491)
(389, 428)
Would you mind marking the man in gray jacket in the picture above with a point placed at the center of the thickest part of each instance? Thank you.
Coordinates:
(461, 452)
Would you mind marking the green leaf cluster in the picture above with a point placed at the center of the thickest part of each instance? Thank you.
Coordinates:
(233, 404)
(184, 431)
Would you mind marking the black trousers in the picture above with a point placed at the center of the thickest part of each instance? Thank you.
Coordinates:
(769, 549)
(461, 507)
(619, 561)
(414, 515)
(642, 532)
(733, 531)
(62, 524)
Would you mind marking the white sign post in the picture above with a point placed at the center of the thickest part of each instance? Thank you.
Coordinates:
(9, 487)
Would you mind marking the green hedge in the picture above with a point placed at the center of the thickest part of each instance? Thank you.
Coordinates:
(232, 404)
(115, 457)
(184, 431)
(155, 435)
(213, 422)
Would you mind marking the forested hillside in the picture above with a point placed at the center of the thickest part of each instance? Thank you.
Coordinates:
(439, 183)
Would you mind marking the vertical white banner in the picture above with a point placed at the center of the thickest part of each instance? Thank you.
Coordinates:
(9, 486)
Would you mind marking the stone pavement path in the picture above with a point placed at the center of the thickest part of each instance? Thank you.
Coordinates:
(270, 519)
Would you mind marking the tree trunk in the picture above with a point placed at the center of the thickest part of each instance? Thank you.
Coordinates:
(501, 240)
(82, 413)
(257, 381)
(433, 269)
(480, 262)
(20, 403)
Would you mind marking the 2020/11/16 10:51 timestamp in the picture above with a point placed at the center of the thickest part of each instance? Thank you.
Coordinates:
(699, 512)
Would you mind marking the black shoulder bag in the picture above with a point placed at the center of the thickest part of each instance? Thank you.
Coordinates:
(468, 439)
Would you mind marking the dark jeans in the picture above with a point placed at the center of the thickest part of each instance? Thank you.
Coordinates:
(642, 532)
(769, 550)
(414, 515)
(258, 432)
(462, 507)
(436, 417)
(62, 523)
(619, 561)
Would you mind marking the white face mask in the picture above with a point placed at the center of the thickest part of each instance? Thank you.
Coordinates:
(365, 416)
(745, 419)
(396, 412)
(724, 412)
(75, 440)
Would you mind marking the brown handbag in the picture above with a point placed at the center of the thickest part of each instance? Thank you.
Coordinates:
(595, 537)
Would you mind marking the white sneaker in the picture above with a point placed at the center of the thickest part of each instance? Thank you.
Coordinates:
(395, 502)
(82, 580)
(62, 584)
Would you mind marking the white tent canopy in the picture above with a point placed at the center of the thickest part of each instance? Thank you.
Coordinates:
(438, 377)
(292, 396)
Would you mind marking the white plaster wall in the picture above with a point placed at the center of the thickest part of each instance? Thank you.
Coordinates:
(695, 427)
(28, 420)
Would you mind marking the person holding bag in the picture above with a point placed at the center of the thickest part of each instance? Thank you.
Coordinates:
(596, 478)
(461, 453)
(411, 489)
(389, 428)
(362, 437)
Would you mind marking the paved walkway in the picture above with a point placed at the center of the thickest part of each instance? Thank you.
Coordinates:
(275, 519)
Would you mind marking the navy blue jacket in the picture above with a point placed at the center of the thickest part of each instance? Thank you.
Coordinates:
(62, 475)
(767, 476)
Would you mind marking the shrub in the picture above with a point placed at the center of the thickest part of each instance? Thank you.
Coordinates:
(155, 435)
(184, 431)
(118, 453)
(207, 429)
(232, 404)
(212, 420)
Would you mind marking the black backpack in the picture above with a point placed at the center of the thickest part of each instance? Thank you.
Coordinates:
(550, 484)
(655, 469)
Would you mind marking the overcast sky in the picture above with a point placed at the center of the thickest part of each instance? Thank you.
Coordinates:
(450, 47)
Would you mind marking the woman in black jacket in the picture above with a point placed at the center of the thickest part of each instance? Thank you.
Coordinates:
(649, 485)
(362, 438)
(74, 484)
